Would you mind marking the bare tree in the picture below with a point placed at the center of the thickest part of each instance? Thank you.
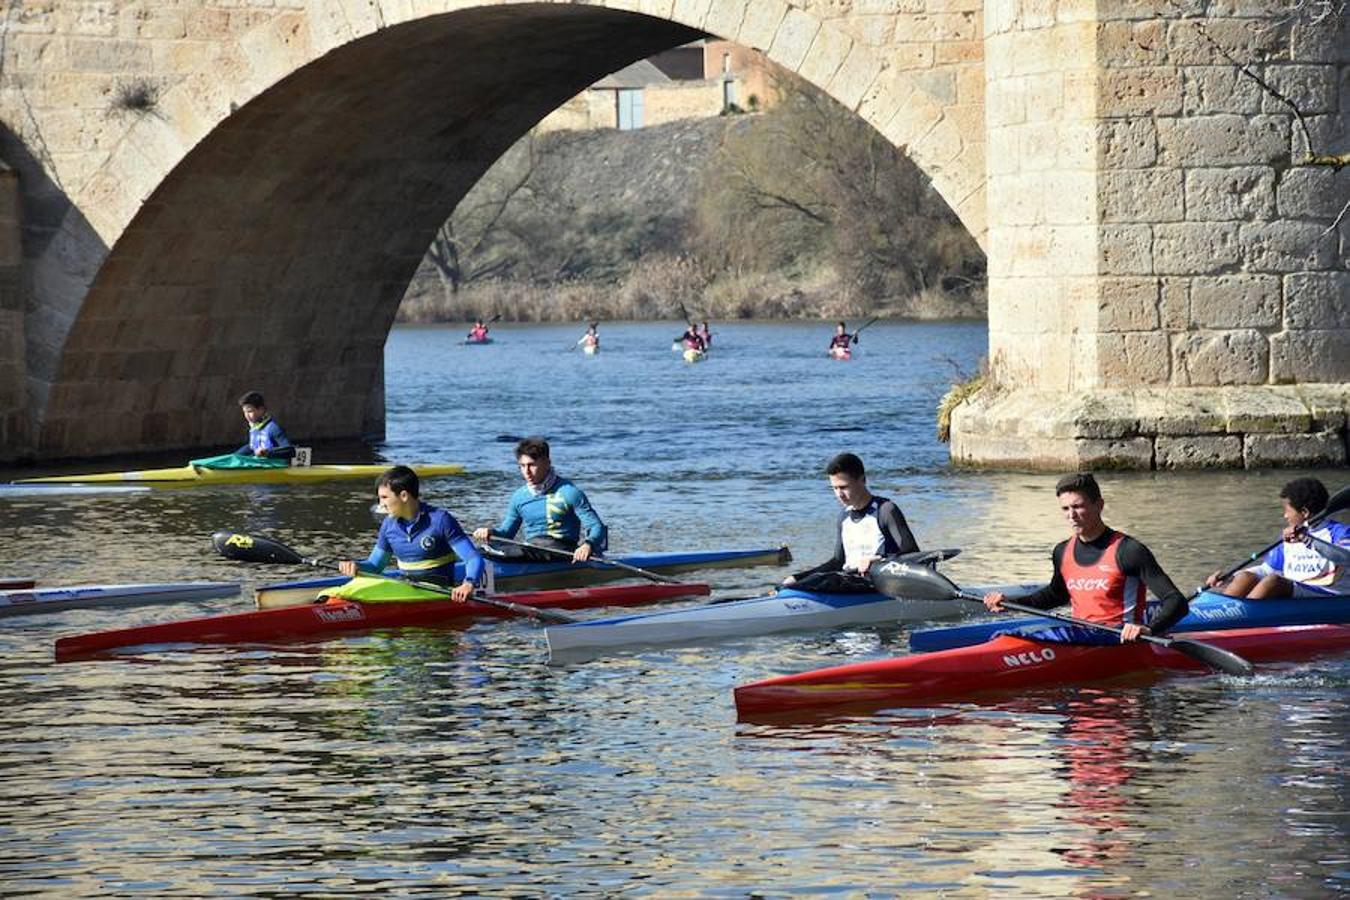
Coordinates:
(812, 180)
(455, 252)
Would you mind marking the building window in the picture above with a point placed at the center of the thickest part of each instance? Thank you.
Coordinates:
(630, 108)
(726, 63)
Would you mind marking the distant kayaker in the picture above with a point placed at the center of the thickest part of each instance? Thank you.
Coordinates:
(553, 511)
(871, 529)
(590, 341)
(692, 340)
(1103, 574)
(1312, 563)
(841, 343)
(265, 437)
(478, 333)
(705, 335)
(425, 539)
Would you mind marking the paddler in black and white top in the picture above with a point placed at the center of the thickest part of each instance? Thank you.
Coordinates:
(871, 529)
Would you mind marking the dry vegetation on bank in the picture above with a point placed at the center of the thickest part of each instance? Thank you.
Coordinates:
(801, 211)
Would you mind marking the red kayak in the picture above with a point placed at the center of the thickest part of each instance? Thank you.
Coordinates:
(334, 615)
(1010, 663)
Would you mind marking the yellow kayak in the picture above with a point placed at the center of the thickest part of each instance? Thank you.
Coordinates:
(194, 475)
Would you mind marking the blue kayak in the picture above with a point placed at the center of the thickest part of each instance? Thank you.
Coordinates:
(1209, 612)
(521, 576)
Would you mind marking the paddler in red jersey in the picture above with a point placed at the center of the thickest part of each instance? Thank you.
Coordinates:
(1103, 574)
(843, 342)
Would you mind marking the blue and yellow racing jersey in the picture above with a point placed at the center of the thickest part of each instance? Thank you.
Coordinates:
(265, 435)
(428, 545)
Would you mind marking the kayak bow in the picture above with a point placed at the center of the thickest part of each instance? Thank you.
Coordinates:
(1209, 612)
(345, 614)
(186, 476)
(517, 576)
(1009, 663)
(790, 609)
(56, 599)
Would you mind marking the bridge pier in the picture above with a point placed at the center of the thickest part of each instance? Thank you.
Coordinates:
(221, 196)
(1166, 287)
(13, 364)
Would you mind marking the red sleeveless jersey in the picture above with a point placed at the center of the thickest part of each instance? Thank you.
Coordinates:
(1102, 592)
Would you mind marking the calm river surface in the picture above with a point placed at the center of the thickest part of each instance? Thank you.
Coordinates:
(448, 763)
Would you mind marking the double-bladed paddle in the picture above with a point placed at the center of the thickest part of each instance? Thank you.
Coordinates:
(254, 549)
(864, 325)
(599, 561)
(1335, 503)
(902, 580)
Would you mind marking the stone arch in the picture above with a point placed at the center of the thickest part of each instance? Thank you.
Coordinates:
(263, 227)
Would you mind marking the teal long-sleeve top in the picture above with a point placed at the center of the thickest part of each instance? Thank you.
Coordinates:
(561, 512)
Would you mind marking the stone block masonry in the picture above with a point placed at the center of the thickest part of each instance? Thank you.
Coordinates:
(1167, 287)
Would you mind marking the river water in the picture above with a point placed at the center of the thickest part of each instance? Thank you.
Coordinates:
(446, 763)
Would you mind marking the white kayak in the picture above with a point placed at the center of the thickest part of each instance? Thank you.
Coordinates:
(56, 599)
(789, 609)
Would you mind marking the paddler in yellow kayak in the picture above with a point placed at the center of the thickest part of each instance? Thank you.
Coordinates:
(554, 512)
(425, 539)
(265, 437)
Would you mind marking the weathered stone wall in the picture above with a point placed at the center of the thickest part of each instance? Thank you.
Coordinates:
(1155, 231)
(220, 196)
(13, 367)
(229, 196)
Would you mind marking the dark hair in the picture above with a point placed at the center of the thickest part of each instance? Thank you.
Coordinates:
(846, 464)
(399, 479)
(1305, 493)
(1079, 483)
(843, 325)
(534, 447)
(252, 398)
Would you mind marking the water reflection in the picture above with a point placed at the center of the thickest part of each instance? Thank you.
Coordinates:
(449, 762)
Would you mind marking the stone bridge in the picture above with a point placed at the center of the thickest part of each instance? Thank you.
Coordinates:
(207, 196)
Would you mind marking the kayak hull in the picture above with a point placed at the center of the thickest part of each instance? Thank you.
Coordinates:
(195, 475)
(1009, 663)
(693, 356)
(788, 610)
(1209, 612)
(843, 354)
(341, 615)
(508, 577)
(109, 596)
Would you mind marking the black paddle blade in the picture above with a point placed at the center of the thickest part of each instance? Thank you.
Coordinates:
(900, 579)
(247, 548)
(1214, 657)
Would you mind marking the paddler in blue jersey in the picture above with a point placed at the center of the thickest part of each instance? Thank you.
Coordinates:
(425, 539)
(553, 511)
(1308, 563)
(265, 437)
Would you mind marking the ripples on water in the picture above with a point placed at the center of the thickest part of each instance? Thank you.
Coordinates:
(456, 763)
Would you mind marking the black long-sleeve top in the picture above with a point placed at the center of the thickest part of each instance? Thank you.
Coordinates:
(1134, 559)
(895, 536)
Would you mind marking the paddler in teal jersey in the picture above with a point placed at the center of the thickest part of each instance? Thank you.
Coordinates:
(265, 437)
(554, 512)
(424, 539)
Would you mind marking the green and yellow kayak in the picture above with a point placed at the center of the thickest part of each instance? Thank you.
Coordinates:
(190, 475)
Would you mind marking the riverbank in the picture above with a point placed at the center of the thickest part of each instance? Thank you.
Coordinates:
(739, 217)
